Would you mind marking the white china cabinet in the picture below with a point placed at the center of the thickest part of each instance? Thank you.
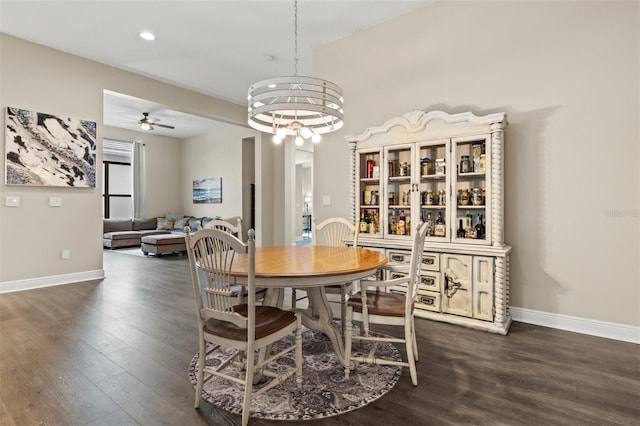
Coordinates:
(447, 170)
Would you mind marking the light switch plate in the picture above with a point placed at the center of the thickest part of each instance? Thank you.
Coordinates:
(12, 202)
(326, 200)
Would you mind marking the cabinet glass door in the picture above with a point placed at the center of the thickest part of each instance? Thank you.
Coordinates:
(368, 165)
(433, 161)
(399, 191)
(471, 190)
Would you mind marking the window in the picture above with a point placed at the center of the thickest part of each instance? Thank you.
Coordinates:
(118, 179)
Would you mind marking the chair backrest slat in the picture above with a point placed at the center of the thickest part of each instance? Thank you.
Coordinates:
(211, 256)
(234, 229)
(332, 232)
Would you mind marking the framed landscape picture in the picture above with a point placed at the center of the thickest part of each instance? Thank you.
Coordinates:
(207, 191)
(46, 150)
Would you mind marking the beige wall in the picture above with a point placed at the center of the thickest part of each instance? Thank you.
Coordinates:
(567, 74)
(38, 78)
(215, 154)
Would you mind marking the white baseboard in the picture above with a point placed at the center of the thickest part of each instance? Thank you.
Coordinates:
(609, 330)
(31, 283)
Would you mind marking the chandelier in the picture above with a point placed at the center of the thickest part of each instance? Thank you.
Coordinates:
(304, 107)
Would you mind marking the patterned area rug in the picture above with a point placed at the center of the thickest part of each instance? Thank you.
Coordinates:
(325, 392)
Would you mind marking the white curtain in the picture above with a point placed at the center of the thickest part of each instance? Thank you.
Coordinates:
(139, 192)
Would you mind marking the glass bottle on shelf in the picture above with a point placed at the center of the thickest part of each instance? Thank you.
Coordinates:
(460, 233)
(468, 226)
(440, 229)
(363, 221)
(370, 164)
(429, 223)
(373, 223)
(479, 228)
(401, 225)
(393, 221)
(465, 164)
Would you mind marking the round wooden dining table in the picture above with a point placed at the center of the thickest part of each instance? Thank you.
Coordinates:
(310, 268)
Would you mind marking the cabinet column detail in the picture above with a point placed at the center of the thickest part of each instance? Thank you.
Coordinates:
(352, 163)
(500, 292)
(497, 184)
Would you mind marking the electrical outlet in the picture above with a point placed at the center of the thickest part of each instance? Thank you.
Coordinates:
(55, 201)
(65, 254)
(326, 200)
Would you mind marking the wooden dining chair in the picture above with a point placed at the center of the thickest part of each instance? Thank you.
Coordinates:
(232, 228)
(333, 232)
(373, 306)
(235, 230)
(243, 328)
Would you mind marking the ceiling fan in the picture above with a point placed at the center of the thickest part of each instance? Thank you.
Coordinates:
(147, 124)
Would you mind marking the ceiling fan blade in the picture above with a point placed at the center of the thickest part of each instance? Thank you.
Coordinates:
(162, 125)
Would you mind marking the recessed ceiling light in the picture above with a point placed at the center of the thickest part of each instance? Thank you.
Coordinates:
(147, 35)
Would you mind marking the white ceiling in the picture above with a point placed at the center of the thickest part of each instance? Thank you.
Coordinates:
(215, 47)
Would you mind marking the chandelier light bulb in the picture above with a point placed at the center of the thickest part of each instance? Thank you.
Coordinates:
(277, 139)
(305, 132)
(299, 141)
(281, 132)
(316, 138)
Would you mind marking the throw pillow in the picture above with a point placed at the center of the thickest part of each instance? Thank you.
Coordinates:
(181, 222)
(164, 223)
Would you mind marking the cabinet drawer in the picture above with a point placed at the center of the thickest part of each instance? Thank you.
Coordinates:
(430, 262)
(396, 256)
(428, 300)
(430, 281)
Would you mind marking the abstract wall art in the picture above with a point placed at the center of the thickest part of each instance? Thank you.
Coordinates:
(207, 191)
(47, 150)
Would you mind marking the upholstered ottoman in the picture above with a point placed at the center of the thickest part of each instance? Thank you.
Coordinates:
(160, 244)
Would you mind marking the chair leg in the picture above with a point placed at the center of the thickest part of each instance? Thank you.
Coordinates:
(248, 387)
(299, 351)
(343, 305)
(293, 298)
(415, 343)
(200, 374)
(348, 333)
(409, 342)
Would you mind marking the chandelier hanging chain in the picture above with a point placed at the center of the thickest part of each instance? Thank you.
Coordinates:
(304, 107)
(295, 34)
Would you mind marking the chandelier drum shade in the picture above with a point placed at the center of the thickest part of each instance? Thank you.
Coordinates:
(304, 107)
(278, 102)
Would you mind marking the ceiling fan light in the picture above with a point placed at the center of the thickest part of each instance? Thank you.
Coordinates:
(145, 126)
(147, 35)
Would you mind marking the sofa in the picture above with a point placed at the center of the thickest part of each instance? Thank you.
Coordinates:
(119, 233)
(155, 235)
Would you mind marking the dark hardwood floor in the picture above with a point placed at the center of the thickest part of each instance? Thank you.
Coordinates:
(116, 352)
